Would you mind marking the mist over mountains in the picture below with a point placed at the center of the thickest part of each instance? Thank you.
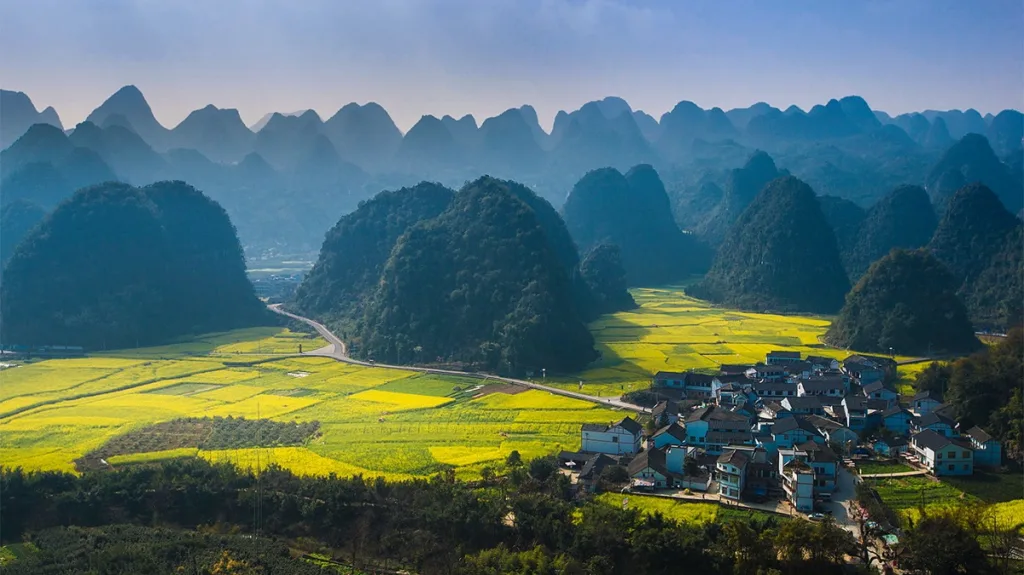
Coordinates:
(286, 179)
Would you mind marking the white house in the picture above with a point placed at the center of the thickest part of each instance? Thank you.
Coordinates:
(988, 452)
(877, 390)
(897, 420)
(693, 384)
(782, 357)
(731, 469)
(822, 460)
(712, 428)
(831, 386)
(682, 463)
(616, 439)
(805, 405)
(794, 430)
(665, 412)
(767, 372)
(648, 470)
(925, 402)
(672, 434)
(820, 363)
(936, 422)
(943, 455)
(833, 431)
(774, 389)
(798, 483)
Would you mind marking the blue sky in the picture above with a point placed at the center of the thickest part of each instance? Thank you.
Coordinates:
(440, 57)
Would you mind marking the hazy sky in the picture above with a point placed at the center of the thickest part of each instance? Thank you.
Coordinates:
(454, 57)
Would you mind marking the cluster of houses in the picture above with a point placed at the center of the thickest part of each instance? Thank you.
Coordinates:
(779, 429)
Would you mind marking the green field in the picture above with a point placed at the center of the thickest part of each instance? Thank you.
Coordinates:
(694, 512)
(673, 332)
(1002, 491)
(873, 467)
(374, 421)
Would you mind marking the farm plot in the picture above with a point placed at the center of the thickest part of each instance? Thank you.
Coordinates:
(373, 421)
(693, 512)
(673, 332)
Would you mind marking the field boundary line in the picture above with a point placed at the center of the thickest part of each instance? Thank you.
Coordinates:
(52, 402)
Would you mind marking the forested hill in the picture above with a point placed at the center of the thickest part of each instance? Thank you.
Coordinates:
(905, 303)
(118, 266)
(903, 218)
(479, 284)
(633, 213)
(781, 255)
(356, 248)
(980, 242)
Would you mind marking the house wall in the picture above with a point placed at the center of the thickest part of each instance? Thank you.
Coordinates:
(730, 480)
(898, 423)
(989, 454)
(660, 481)
(921, 407)
(800, 490)
(615, 441)
(842, 435)
(941, 463)
(696, 432)
(666, 439)
(942, 429)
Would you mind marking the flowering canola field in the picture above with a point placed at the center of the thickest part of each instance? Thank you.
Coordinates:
(373, 421)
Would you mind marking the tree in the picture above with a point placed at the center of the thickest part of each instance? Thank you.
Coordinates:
(938, 545)
(514, 459)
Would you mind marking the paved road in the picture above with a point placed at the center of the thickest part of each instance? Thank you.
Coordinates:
(336, 349)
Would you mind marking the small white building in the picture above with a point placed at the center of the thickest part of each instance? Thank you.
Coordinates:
(620, 438)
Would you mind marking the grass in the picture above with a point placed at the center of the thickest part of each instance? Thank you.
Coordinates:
(990, 487)
(694, 512)
(872, 467)
(16, 551)
(1002, 491)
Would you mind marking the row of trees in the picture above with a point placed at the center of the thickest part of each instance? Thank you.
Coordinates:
(527, 522)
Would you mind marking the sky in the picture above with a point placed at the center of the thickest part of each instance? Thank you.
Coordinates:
(481, 57)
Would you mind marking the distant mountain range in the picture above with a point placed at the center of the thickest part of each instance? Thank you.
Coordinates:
(288, 177)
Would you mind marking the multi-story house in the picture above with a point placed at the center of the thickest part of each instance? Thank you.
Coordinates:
(616, 439)
(943, 455)
(731, 470)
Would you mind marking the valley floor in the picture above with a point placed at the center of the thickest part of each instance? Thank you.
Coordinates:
(377, 421)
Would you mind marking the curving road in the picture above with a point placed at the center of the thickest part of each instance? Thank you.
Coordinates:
(336, 349)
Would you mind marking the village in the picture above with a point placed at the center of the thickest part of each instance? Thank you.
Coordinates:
(781, 436)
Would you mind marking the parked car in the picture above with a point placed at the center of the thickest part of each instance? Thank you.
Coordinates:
(816, 516)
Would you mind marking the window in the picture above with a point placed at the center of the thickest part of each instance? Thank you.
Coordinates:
(615, 439)
(951, 455)
(966, 467)
(952, 467)
(966, 455)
